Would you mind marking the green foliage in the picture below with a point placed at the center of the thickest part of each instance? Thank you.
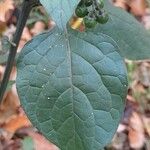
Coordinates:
(92, 12)
(73, 85)
(81, 11)
(35, 16)
(60, 10)
(28, 144)
(90, 22)
(102, 17)
(88, 3)
(131, 37)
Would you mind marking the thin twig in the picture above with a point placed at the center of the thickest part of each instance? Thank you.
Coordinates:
(25, 11)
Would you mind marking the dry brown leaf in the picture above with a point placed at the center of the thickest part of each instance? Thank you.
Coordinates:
(38, 28)
(146, 19)
(77, 23)
(40, 142)
(121, 128)
(26, 35)
(144, 73)
(138, 7)
(146, 121)
(119, 140)
(17, 123)
(2, 69)
(8, 109)
(136, 131)
(2, 28)
(6, 8)
(9, 32)
(10, 103)
(21, 45)
(138, 87)
(131, 98)
(121, 4)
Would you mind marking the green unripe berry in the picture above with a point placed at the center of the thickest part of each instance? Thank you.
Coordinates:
(88, 3)
(102, 17)
(101, 3)
(81, 11)
(81, 3)
(90, 22)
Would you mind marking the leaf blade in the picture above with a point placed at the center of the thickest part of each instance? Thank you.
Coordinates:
(130, 35)
(67, 91)
(60, 10)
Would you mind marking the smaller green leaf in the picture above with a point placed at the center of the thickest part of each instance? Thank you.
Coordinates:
(28, 144)
(60, 10)
(127, 32)
(35, 16)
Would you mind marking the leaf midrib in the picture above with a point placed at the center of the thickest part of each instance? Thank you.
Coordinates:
(71, 77)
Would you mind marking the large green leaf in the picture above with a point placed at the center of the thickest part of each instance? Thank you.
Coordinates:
(72, 87)
(130, 35)
(60, 10)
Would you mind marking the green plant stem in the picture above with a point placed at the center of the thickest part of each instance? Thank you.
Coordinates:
(26, 8)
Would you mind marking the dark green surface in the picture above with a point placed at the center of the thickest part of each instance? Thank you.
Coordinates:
(130, 35)
(60, 10)
(73, 87)
(122, 27)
